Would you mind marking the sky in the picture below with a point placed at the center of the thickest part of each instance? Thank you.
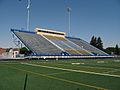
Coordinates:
(100, 18)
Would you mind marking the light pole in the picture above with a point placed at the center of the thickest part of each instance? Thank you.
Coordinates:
(28, 15)
(69, 20)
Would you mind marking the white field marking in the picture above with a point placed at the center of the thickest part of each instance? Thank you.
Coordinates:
(9, 63)
(86, 66)
(60, 79)
(72, 70)
(77, 63)
(100, 61)
(58, 73)
(115, 70)
(116, 60)
(90, 66)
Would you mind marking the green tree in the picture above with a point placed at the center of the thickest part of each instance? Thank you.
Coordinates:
(99, 44)
(117, 52)
(24, 50)
(93, 41)
(110, 50)
(96, 42)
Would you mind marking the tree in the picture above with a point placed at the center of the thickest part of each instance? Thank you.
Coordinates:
(24, 50)
(8, 49)
(96, 42)
(99, 44)
(117, 51)
(93, 41)
(110, 50)
(113, 50)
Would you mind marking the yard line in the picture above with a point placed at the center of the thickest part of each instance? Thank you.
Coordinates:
(9, 63)
(58, 73)
(60, 79)
(107, 68)
(112, 71)
(72, 70)
(91, 67)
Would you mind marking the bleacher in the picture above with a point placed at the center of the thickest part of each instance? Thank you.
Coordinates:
(52, 44)
(37, 44)
(87, 46)
(67, 45)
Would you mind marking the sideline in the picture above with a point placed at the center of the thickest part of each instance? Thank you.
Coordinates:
(72, 70)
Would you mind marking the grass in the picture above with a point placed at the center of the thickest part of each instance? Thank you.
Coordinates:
(12, 75)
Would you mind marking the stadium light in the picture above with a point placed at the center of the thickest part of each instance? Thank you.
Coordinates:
(28, 16)
(69, 19)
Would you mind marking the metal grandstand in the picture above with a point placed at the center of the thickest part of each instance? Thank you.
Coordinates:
(44, 43)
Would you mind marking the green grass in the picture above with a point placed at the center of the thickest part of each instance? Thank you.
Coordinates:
(12, 75)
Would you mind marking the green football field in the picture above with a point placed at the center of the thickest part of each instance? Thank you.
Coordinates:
(79, 74)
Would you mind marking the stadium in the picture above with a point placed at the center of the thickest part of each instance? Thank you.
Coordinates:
(45, 43)
(54, 60)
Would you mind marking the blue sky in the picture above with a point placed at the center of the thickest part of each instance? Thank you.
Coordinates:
(88, 18)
